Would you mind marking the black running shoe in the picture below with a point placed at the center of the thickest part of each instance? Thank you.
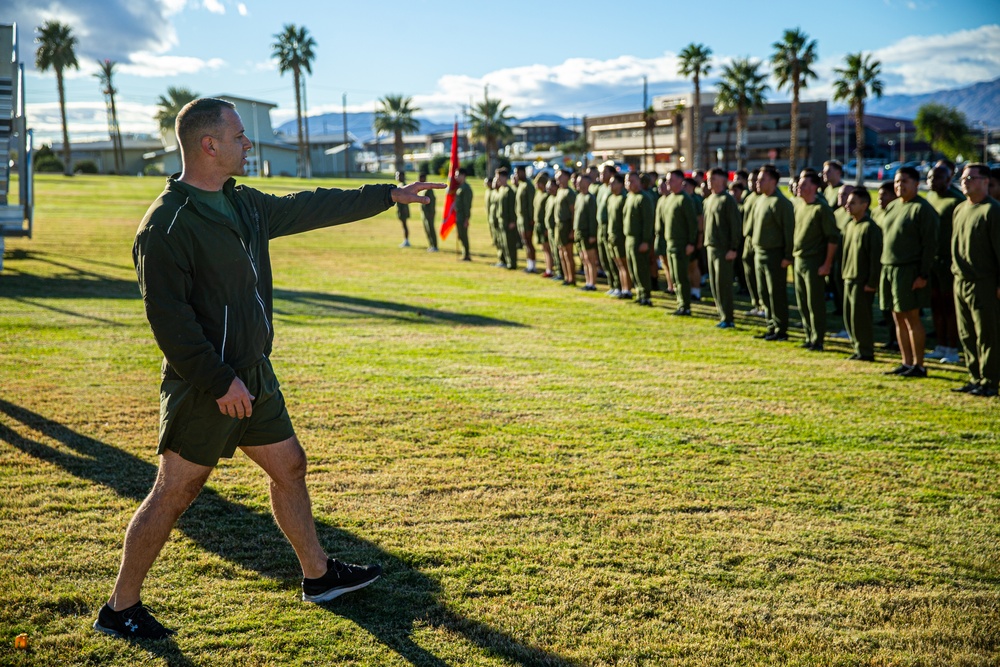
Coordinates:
(134, 622)
(340, 578)
(898, 370)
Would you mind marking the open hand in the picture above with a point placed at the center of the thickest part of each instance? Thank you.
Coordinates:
(409, 194)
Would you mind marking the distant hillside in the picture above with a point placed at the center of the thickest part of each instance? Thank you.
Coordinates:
(980, 101)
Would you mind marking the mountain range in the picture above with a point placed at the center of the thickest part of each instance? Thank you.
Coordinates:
(979, 102)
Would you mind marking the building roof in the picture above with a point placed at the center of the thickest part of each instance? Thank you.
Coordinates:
(878, 123)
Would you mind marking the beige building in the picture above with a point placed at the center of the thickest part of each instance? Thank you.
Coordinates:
(623, 137)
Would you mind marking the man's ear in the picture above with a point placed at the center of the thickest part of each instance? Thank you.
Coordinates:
(208, 145)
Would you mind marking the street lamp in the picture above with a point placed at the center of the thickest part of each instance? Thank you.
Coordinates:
(829, 126)
(902, 141)
(986, 141)
(891, 144)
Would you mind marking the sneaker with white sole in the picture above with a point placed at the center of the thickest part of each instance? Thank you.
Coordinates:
(134, 622)
(937, 353)
(950, 356)
(340, 578)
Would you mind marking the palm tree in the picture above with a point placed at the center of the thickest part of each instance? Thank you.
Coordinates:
(396, 116)
(171, 105)
(294, 52)
(55, 51)
(792, 59)
(488, 123)
(741, 90)
(944, 128)
(649, 120)
(677, 114)
(857, 80)
(694, 63)
(107, 71)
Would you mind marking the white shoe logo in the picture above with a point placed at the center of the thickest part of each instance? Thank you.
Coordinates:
(131, 625)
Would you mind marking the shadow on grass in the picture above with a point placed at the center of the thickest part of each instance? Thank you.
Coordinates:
(72, 282)
(389, 610)
(326, 303)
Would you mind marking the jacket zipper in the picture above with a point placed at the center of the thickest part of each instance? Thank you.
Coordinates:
(225, 331)
(256, 279)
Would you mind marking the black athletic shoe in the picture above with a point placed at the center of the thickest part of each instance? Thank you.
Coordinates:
(967, 388)
(914, 372)
(816, 347)
(682, 312)
(807, 345)
(898, 370)
(764, 335)
(776, 336)
(340, 578)
(986, 390)
(135, 622)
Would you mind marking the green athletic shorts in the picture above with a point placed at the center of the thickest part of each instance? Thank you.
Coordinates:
(541, 234)
(192, 425)
(618, 248)
(660, 246)
(896, 291)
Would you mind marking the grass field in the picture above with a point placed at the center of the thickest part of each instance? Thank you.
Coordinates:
(547, 476)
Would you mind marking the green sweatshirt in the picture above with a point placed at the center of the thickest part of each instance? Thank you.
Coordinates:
(616, 218)
(862, 252)
(975, 242)
(585, 217)
(638, 223)
(565, 199)
(524, 201)
(506, 206)
(910, 234)
(603, 192)
(463, 203)
(206, 280)
(815, 227)
(428, 209)
(746, 209)
(677, 221)
(944, 206)
(539, 206)
(774, 224)
(723, 222)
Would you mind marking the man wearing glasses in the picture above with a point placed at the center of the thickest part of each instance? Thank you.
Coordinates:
(975, 262)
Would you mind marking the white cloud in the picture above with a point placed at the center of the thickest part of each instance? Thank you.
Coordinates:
(88, 121)
(919, 64)
(215, 6)
(152, 65)
(241, 8)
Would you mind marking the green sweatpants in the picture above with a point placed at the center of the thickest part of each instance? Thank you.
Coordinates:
(720, 279)
(772, 283)
(978, 311)
(750, 273)
(678, 261)
(858, 318)
(432, 239)
(638, 267)
(511, 241)
(810, 294)
(463, 237)
(606, 257)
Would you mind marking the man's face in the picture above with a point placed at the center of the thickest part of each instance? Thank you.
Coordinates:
(831, 175)
(633, 184)
(500, 181)
(906, 187)
(616, 186)
(231, 144)
(975, 186)
(718, 182)
(460, 178)
(807, 188)
(765, 183)
(552, 187)
(606, 175)
(937, 180)
(687, 187)
(856, 207)
(583, 185)
(562, 178)
(885, 197)
(842, 195)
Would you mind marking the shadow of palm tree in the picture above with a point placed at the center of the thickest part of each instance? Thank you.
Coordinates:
(388, 611)
(329, 303)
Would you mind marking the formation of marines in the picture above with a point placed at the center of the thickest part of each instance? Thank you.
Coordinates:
(939, 251)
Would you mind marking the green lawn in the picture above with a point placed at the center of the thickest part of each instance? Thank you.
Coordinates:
(547, 476)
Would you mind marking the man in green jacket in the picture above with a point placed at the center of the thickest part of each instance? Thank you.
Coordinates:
(677, 234)
(463, 211)
(975, 263)
(524, 204)
(202, 260)
(944, 199)
(909, 244)
(773, 239)
(538, 206)
(814, 245)
(722, 242)
(616, 233)
(605, 254)
(403, 213)
(747, 258)
(585, 231)
(563, 208)
(506, 215)
(638, 230)
(427, 213)
(862, 254)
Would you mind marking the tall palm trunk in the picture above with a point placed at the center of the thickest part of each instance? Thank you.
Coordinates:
(397, 147)
(696, 130)
(67, 167)
(859, 137)
(741, 131)
(298, 119)
(793, 157)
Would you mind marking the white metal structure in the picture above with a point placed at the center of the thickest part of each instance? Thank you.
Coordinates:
(15, 140)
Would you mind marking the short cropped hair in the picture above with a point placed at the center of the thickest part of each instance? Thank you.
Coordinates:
(737, 187)
(771, 171)
(862, 194)
(948, 163)
(618, 176)
(463, 171)
(886, 185)
(679, 173)
(909, 172)
(198, 118)
(718, 172)
(835, 164)
(812, 177)
(743, 173)
(542, 179)
(503, 171)
(982, 169)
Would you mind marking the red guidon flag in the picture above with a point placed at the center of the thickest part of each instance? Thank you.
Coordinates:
(448, 221)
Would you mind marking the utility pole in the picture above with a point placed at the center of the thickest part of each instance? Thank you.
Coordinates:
(347, 145)
(378, 145)
(305, 112)
(645, 105)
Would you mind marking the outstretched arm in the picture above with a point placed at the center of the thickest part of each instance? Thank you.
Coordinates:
(409, 194)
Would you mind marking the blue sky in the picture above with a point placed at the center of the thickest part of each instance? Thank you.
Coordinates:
(538, 57)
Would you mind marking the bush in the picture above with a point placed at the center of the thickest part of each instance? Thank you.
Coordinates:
(85, 167)
(480, 166)
(439, 165)
(49, 164)
(153, 169)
